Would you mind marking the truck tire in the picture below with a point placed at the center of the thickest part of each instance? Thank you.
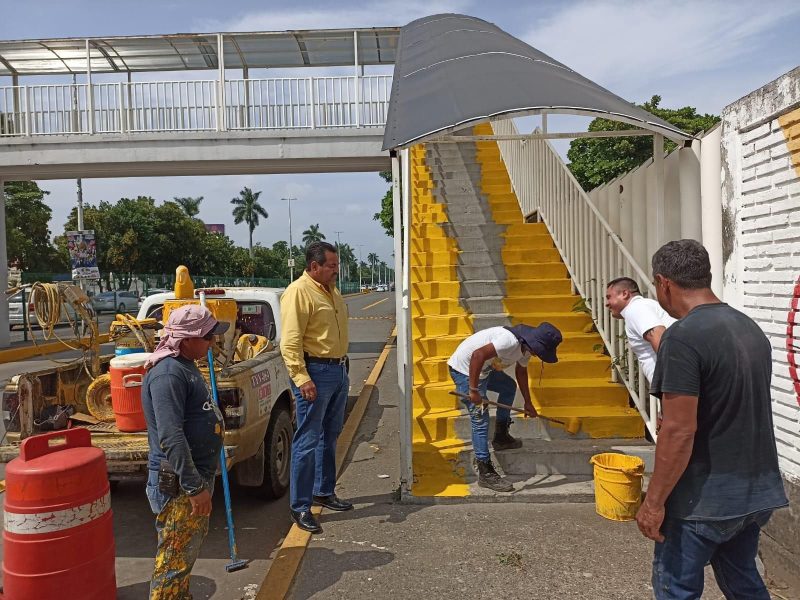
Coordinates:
(277, 457)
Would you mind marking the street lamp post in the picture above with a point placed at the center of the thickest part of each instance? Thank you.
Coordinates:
(339, 249)
(360, 246)
(291, 247)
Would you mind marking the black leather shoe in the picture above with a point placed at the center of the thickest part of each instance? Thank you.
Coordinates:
(306, 521)
(333, 503)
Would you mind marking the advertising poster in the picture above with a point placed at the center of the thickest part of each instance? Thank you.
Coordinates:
(83, 254)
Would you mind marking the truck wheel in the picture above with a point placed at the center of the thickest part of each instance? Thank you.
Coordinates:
(277, 457)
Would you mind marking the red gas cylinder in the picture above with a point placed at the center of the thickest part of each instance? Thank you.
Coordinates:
(127, 372)
(58, 539)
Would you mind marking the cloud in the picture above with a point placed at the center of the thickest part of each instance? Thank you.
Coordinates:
(628, 46)
(374, 14)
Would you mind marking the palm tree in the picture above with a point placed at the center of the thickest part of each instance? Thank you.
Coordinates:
(191, 206)
(247, 210)
(347, 258)
(312, 234)
(373, 259)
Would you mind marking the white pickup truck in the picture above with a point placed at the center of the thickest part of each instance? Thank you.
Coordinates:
(254, 392)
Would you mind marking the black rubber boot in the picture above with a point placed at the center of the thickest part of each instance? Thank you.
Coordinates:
(502, 439)
(489, 478)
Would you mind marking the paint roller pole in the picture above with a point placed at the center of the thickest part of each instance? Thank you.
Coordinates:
(236, 563)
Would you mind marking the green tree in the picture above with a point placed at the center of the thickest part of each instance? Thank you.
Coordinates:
(28, 228)
(373, 260)
(595, 161)
(347, 258)
(312, 234)
(190, 205)
(386, 213)
(247, 209)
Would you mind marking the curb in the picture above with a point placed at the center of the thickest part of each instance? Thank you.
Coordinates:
(15, 354)
(283, 569)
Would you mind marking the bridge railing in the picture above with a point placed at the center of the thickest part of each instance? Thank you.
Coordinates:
(200, 105)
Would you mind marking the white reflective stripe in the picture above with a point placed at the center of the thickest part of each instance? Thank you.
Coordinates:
(56, 520)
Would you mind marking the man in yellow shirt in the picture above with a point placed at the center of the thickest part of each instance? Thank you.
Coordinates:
(314, 342)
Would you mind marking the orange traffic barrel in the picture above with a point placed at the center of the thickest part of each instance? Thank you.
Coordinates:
(58, 539)
(127, 372)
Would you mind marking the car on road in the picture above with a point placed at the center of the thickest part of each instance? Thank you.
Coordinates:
(16, 311)
(116, 301)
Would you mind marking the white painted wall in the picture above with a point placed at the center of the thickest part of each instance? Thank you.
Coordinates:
(761, 225)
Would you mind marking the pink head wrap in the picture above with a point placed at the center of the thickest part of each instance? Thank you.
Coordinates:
(188, 321)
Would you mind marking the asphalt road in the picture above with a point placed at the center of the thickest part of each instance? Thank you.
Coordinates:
(260, 526)
(18, 334)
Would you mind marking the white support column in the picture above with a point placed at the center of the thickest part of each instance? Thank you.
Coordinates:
(246, 117)
(612, 200)
(626, 212)
(639, 217)
(672, 197)
(658, 192)
(221, 83)
(406, 474)
(711, 204)
(406, 411)
(89, 93)
(357, 79)
(691, 209)
(5, 337)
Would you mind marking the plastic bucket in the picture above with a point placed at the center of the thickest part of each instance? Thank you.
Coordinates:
(127, 373)
(617, 485)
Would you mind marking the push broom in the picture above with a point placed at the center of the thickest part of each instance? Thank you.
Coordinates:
(572, 425)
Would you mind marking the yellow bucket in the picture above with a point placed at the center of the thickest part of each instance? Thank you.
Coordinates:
(617, 485)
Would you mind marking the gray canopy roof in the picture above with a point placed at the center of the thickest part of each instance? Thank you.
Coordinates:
(453, 71)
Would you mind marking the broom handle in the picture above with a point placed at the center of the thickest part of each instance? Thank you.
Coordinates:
(498, 405)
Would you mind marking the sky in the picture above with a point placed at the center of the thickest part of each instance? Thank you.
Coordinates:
(705, 54)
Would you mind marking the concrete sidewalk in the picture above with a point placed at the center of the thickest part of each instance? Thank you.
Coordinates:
(386, 549)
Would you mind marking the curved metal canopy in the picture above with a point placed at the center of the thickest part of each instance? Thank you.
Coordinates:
(453, 71)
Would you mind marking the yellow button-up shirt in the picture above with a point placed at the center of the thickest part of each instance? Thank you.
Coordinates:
(313, 321)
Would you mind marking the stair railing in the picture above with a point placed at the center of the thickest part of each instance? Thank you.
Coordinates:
(591, 251)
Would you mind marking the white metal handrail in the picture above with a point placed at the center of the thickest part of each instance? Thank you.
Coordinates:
(157, 106)
(592, 252)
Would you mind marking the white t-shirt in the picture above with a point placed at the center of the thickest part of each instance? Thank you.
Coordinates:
(641, 315)
(509, 351)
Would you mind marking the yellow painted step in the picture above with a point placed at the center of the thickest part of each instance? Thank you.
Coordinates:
(551, 270)
(434, 425)
(433, 245)
(442, 325)
(595, 391)
(435, 289)
(435, 396)
(567, 321)
(418, 218)
(434, 259)
(600, 421)
(502, 205)
(498, 188)
(525, 229)
(522, 243)
(437, 306)
(575, 366)
(540, 304)
(443, 273)
(534, 287)
(427, 231)
(507, 217)
(538, 252)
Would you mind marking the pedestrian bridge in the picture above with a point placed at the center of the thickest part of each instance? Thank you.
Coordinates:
(181, 121)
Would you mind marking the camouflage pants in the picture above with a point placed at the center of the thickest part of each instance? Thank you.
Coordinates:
(180, 535)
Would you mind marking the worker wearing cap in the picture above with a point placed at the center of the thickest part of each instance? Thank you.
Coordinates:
(314, 340)
(184, 431)
(477, 367)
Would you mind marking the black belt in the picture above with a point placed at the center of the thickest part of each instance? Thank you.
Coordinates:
(324, 361)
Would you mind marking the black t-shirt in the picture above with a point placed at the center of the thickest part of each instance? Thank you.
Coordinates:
(721, 356)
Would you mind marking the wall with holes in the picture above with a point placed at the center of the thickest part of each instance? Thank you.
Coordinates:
(761, 238)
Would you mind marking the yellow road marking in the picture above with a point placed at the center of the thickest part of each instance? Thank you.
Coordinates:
(374, 304)
(284, 567)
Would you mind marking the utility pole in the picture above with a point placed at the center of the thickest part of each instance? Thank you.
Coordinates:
(291, 247)
(360, 246)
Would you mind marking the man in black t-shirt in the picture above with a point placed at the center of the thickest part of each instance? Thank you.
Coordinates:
(716, 479)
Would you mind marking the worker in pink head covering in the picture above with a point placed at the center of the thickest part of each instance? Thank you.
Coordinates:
(184, 431)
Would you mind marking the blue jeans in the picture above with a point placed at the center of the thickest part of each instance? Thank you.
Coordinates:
(506, 389)
(318, 426)
(730, 546)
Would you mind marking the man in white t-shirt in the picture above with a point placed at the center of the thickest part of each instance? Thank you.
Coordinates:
(645, 320)
(477, 367)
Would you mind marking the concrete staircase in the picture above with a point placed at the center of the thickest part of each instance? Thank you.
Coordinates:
(475, 263)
